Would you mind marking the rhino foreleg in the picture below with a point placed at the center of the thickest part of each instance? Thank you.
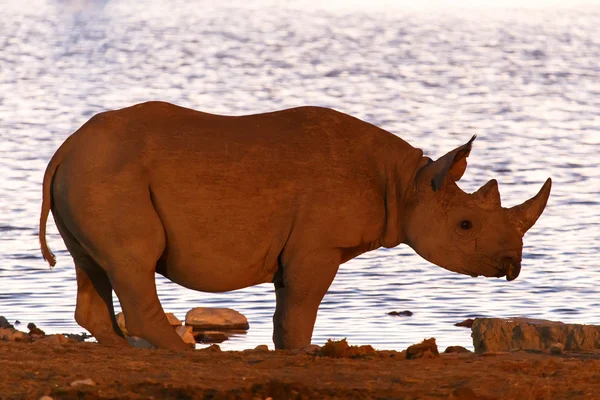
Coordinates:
(305, 283)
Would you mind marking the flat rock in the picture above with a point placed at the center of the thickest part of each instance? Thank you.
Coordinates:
(498, 335)
(426, 349)
(205, 318)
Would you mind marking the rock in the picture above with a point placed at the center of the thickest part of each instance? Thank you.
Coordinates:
(34, 331)
(426, 349)
(185, 332)
(404, 313)
(205, 318)
(557, 348)
(13, 335)
(210, 337)
(45, 398)
(262, 347)
(497, 334)
(4, 323)
(173, 320)
(467, 323)
(456, 349)
(83, 382)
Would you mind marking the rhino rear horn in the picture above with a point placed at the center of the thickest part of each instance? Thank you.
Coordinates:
(525, 215)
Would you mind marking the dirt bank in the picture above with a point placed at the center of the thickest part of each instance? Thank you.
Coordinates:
(30, 370)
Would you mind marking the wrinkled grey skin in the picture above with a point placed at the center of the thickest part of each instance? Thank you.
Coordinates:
(218, 203)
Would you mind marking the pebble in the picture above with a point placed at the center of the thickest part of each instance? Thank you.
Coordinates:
(45, 398)
(405, 313)
(426, 349)
(83, 382)
(262, 347)
(457, 349)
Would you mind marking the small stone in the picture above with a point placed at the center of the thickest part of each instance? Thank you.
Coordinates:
(405, 313)
(426, 349)
(45, 398)
(173, 320)
(206, 318)
(185, 332)
(467, 323)
(34, 331)
(456, 349)
(83, 382)
(557, 348)
(17, 322)
(4, 323)
(210, 337)
(262, 347)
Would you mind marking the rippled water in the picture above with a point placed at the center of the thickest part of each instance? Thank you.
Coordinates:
(526, 81)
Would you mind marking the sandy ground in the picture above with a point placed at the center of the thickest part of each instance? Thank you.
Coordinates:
(90, 371)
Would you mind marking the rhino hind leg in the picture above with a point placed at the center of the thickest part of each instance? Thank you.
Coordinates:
(94, 310)
(298, 296)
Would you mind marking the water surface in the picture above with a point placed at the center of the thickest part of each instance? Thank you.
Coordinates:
(526, 81)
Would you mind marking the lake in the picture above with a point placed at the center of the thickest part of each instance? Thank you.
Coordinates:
(525, 80)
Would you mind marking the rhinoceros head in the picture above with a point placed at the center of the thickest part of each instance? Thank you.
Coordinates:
(470, 234)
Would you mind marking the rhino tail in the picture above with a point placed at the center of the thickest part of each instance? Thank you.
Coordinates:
(47, 198)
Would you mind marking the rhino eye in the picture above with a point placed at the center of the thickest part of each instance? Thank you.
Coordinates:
(466, 224)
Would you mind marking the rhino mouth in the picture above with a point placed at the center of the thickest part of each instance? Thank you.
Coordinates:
(511, 268)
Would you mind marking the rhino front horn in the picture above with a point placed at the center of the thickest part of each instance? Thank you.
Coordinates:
(524, 215)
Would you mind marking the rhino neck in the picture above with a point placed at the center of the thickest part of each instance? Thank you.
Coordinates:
(399, 186)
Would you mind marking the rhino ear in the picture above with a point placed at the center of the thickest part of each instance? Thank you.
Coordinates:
(452, 165)
(489, 193)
